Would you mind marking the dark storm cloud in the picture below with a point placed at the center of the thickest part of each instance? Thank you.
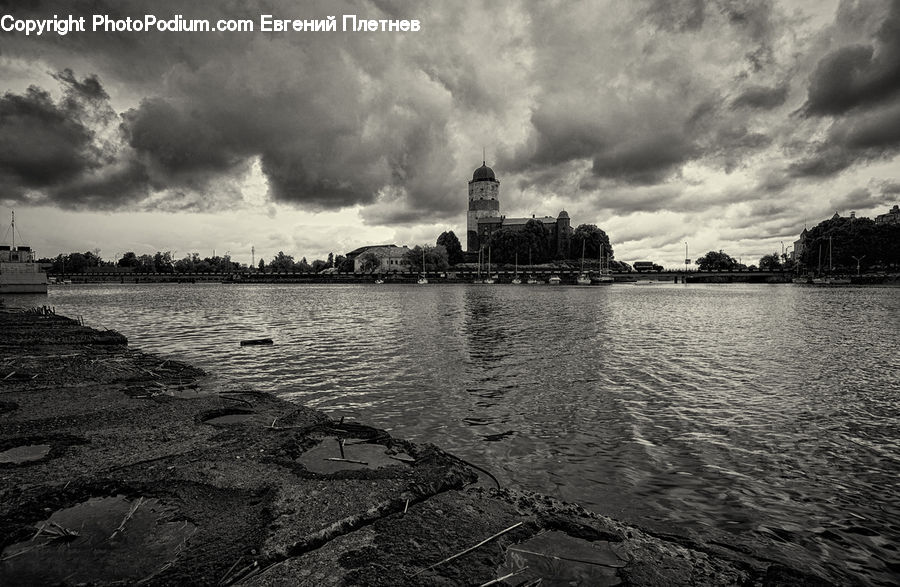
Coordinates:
(867, 137)
(645, 161)
(332, 119)
(859, 74)
(664, 108)
(46, 143)
(179, 142)
(572, 101)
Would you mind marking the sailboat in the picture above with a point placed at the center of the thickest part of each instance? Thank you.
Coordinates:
(516, 280)
(582, 278)
(489, 280)
(604, 278)
(829, 280)
(422, 279)
(532, 280)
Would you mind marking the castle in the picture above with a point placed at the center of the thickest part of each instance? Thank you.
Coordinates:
(484, 216)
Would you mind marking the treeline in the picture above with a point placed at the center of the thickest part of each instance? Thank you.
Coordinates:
(837, 245)
(164, 262)
(845, 243)
(531, 244)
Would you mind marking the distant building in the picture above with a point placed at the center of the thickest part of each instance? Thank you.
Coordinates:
(484, 216)
(892, 217)
(799, 245)
(390, 256)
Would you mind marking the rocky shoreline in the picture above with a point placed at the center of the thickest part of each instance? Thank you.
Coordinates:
(120, 467)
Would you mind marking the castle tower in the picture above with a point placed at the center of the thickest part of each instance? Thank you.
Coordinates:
(563, 233)
(484, 202)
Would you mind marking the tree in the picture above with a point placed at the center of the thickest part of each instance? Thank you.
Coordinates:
(129, 259)
(506, 244)
(449, 241)
(262, 265)
(435, 259)
(770, 263)
(715, 261)
(837, 243)
(162, 262)
(343, 264)
(75, 263)
(369, 262)
(92, 258)
(331, 259)
(537, 241)
(145, 264)
(282, 263)
(593, 239)
(319, 265)
(532, 242)
(185, 265)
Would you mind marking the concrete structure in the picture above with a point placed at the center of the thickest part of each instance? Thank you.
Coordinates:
(390, 256)
(891, 217)
(484, 218)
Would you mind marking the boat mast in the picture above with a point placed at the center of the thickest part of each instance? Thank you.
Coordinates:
(820, 258)
(830, 264)
(582, 256)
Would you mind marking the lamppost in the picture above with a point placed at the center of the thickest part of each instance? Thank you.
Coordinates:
(858, 259)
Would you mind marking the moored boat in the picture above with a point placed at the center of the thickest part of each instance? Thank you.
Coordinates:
(604, 278)
(19, 273)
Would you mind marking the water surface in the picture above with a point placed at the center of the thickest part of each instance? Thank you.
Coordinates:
(761, 416)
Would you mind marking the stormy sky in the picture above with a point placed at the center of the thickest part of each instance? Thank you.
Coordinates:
(726, 124)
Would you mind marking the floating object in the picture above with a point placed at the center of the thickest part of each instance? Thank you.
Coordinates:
(256, 341)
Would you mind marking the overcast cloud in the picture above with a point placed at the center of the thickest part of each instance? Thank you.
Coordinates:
(729, 123)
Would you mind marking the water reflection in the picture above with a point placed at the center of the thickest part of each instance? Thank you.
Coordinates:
(762, 416)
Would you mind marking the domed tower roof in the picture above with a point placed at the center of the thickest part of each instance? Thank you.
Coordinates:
(563, 214)
(484, 173)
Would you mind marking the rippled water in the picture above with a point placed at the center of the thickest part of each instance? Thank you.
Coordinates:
(760, 416)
